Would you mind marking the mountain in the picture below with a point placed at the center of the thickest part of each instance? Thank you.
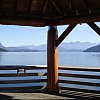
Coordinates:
(20, 49)
(78, 45)
(32, 48)
(27, 48)
(63, 47)
(41, 47)
(93, 49)
(2, 48)
(44, 48)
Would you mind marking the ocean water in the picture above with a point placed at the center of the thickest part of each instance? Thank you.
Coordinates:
(84, 59)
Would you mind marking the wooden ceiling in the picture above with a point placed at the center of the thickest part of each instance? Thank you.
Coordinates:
(48, 12)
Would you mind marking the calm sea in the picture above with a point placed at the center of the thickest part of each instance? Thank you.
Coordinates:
(84, 59)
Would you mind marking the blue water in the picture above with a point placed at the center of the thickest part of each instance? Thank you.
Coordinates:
(84, 59)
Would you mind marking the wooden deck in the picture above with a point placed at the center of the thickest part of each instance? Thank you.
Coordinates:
(64, 95)
(29, 82)
(30, 96)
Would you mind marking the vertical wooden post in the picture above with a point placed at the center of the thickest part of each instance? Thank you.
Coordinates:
(52, 60)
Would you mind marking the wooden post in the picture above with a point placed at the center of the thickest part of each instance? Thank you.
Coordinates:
(52, 60)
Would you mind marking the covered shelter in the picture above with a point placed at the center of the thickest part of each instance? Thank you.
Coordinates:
(41, 13)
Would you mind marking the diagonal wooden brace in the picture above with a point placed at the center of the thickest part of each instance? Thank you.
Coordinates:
(65, 33)
(94, 27)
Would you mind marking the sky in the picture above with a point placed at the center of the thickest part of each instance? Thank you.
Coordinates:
(11, 35)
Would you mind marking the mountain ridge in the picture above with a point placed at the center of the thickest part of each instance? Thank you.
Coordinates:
(64, 47)
(93, 49)
(2, 48)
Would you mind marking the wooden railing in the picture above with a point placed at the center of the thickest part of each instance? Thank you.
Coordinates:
(35, 78)
(24, 78)
(79, 79)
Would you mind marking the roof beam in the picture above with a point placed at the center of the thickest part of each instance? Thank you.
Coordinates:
(1, 10)
(23, 21)
(27, 21)
(70, 5)
(65, 33)
(56, 6)
(44, 8)
(98, 1)
(78, 19)
(73, 8)
(94, 27)
(16, 7)
(30, 7)
(87, 6)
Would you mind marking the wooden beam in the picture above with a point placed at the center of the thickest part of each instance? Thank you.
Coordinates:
(17, 7)
(30, 7)
(94, 27)
(98, 1)
(65, 33)
(16, 1)
(86, 4)
(56, 6)
(44, 8)
(29, 21)
(70, 5)
(1, 8)
(52, 61)
(78, 19)
(23, 21)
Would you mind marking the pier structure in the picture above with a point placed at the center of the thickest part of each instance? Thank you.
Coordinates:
(51, 13)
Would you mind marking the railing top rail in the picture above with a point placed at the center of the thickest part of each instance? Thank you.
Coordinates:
(32, 67)
(26, 67)
(95, 69)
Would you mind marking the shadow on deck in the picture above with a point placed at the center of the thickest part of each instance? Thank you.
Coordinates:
(65, 95)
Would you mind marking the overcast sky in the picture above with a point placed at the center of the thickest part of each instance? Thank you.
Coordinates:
(11, 35)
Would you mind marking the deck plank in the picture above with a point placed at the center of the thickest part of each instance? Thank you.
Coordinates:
(31, 96)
